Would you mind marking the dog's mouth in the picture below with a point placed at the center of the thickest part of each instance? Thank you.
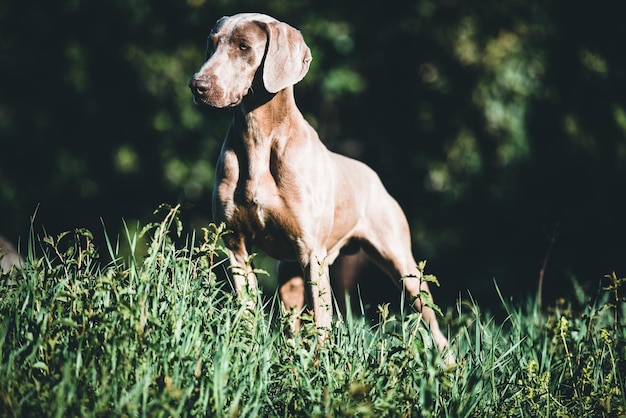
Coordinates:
(201, 100)
(204, 100)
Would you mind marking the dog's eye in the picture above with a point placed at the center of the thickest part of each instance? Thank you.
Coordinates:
(243, 46)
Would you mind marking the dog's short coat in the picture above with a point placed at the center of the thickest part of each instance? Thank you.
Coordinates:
(277, 186)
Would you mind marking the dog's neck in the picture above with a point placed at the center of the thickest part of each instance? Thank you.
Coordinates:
(259, 115)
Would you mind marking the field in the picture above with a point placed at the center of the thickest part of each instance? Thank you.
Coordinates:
(160, 335)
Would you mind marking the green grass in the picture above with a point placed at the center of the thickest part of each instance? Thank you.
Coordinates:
(160, 335)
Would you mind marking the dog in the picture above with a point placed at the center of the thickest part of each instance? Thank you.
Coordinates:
(278, 187)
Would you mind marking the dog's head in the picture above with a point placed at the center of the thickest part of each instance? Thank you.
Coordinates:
(241, 45)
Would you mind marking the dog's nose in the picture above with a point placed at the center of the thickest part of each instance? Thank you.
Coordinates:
(199, 85)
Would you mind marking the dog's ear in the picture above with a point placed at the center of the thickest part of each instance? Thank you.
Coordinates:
(287, 57)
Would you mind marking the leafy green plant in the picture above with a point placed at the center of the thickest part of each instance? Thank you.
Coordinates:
(161, 335)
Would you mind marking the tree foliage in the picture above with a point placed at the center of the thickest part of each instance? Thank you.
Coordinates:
(497, 125)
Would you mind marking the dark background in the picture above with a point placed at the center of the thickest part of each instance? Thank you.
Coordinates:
(497, 125)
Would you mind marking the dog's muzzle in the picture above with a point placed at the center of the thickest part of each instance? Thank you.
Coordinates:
(205, 92)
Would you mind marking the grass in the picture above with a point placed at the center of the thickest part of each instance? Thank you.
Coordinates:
(160, 335)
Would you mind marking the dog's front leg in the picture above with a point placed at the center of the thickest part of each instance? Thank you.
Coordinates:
(244, 279)
(318, 285)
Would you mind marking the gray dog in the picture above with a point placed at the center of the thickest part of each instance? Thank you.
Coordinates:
(278, 187)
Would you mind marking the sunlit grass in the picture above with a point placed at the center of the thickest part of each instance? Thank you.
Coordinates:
(161, 335)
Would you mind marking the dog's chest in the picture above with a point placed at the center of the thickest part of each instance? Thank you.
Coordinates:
(251, 192)
(254, 206)
(253, 203)
(259, 216)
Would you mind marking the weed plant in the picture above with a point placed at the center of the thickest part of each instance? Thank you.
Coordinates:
(163, 336)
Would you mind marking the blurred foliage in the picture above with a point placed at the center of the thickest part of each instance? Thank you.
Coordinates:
(495, 124)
